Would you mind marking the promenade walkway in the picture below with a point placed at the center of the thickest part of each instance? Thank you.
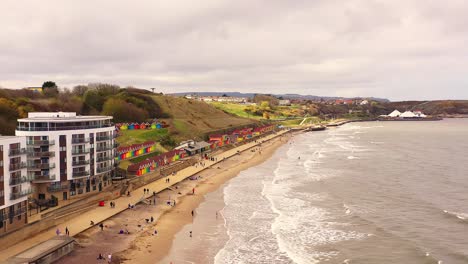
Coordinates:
(99, 214)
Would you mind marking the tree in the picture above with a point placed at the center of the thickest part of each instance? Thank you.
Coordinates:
(93, 99)
(49, 84)
(123, 111)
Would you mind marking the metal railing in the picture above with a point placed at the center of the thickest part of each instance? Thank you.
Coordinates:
(80, 173)
(80, 140)
(41, 154)
(20, 179)
(104, 138)
(80, 162)
(22, 193)
(40, 142)
(17, 166)
(41, 166)
(103, 169)
(16, 152)
(20, 128)
(105, 148)
(80, 151)
(101, 159)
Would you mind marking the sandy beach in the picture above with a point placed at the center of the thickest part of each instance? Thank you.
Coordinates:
(150, 242)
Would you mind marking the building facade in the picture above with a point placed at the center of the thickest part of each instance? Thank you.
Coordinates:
(67, 155)
(15, 184)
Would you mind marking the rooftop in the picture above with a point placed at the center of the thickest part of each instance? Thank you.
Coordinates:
(60, 117)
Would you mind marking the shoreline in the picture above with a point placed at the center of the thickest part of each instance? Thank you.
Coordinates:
(142, 245)
(173, 221)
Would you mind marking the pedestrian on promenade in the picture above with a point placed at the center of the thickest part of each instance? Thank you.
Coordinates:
(57, 232)
(128, 193)
(154, 193)
(193, 190)
(192, 213)
(100, 257)
(67, 232)
(101, 226)
(152, 219)
(190, 234)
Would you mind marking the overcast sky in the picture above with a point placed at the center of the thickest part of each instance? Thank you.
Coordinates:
(397, 49)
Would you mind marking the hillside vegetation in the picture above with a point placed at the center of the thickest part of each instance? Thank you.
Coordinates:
(186, 119)
(194, 119)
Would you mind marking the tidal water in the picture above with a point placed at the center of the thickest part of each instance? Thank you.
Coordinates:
(376, 192)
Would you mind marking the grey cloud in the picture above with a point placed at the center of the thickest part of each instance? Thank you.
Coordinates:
(395, 49)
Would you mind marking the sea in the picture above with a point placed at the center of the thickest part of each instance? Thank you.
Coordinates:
(370, 192)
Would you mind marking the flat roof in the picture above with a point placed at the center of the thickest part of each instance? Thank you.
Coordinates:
(60, 117)
(41, 250)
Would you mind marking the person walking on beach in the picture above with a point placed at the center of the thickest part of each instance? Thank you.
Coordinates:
(109, 258)
(57, 232)
(192, 213)
(152, 219)
(193, 190)
(67, 232)
(190, 234)
(101, 226)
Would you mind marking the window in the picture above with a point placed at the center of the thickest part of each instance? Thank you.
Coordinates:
(1, 163)
(1, 147)
(63, 148)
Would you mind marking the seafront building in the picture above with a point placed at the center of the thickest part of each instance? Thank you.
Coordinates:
(68, 155)
(15, 184)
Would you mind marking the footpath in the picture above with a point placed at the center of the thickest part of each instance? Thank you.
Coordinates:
(99, 214)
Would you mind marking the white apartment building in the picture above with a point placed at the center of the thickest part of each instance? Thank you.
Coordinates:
(15, 185)
(67, 155)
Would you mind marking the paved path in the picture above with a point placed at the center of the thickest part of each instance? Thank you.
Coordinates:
(99, 214)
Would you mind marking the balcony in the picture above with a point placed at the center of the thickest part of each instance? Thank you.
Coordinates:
(20, 179)
(41, 154)
(17, 195)
(104, 148)
(57, 188)
(17, 166)
(103, 138)
(80, 151)
(103, 169)
(23, 127)
(38, 178)
(102, 159)
(17, 152)
(80, 140)
(41, 142)
(40, 166)
(80, 174)
(80, 162)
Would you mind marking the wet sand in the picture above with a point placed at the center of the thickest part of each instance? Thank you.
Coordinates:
(142, 245)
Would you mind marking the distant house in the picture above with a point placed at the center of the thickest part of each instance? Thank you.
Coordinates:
(284, 102)
(364, 102)
(35, 89)
(192, 147)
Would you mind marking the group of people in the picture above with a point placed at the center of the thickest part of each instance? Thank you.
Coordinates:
(146, 191)
(101, 257)
(67, 232)
(112, 204)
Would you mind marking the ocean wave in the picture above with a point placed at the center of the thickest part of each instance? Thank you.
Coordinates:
(461, 216)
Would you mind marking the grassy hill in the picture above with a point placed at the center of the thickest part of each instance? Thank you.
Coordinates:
(194, 119)
(186, 119)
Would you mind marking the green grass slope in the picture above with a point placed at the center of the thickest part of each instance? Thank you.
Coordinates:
(194, 119)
